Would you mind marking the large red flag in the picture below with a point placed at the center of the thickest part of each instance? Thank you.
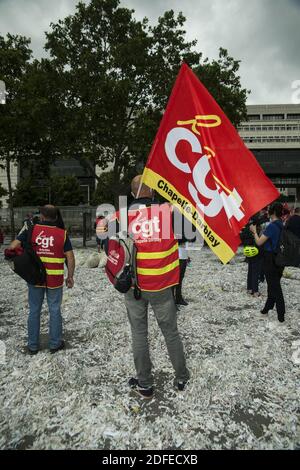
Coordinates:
(200, 164)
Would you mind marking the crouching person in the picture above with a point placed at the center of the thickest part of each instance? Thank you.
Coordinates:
(53, 246)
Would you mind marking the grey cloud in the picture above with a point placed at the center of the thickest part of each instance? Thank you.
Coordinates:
(263, 34)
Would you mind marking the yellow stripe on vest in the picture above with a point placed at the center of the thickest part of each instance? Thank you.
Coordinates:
(54, 272)
(158, 271)
(157, 254)
(52, 260)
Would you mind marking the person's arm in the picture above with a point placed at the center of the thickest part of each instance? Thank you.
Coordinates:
(71, 268)
(14, 244)
(20, 240)
(259, 240)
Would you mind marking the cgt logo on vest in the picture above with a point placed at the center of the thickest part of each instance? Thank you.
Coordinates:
(44, 241)
(145, 227)
(219, 198)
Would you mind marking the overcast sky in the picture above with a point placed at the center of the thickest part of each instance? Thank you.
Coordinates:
(263, 34)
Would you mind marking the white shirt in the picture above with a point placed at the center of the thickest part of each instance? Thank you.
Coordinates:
(182, 251)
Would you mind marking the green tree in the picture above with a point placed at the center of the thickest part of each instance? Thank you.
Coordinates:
(29, 113)
(14, 57)
(115, 75)
(27, 193)
(221, 78)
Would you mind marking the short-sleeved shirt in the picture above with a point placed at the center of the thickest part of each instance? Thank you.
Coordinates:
(22, 236)
(273, 232)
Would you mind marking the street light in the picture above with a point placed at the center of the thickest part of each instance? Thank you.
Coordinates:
(2, 92)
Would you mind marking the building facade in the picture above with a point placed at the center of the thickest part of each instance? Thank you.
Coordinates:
(272, 133)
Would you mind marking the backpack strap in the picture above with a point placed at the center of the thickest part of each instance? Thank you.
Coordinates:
(28, 243)
(137, 290)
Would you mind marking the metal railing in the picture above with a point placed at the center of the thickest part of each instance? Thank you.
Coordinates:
(77, 219)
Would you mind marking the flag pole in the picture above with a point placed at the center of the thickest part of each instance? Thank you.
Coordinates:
(140, 186)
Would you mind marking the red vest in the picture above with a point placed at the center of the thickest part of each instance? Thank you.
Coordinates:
(157, 249)
(48, 243)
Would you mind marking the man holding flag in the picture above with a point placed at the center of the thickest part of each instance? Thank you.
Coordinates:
(157, 272)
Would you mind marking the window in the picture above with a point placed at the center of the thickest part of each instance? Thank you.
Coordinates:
(253, 117)
(292, 116)
(244, 128)
(273, 117)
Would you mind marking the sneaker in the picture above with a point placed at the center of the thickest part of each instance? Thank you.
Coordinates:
(32, 352)
(181, 385)
(181, 302)
(62, 346)
(144, 392)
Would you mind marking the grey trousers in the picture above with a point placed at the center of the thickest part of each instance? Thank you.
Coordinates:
(166, 315)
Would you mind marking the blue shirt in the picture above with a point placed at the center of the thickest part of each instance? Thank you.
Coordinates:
(22, 237)
(273, 232)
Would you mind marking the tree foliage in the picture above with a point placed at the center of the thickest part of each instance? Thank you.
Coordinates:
(57, 190)
(116, 74)
(27, 194)
(221, 78)
(14, 57)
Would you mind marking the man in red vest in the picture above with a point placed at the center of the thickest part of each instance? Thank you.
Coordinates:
(157, 271)
(53, 246)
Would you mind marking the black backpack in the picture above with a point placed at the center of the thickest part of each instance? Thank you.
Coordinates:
(28, 265)
(288, 250)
